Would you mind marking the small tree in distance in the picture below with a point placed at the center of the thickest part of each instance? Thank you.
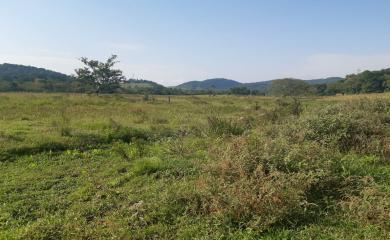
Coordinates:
(100, 76)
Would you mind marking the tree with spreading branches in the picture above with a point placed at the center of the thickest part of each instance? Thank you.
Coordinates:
(100, 76)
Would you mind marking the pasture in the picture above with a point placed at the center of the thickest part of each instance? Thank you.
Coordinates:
(78, 166)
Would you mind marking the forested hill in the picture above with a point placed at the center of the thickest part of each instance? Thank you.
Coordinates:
(219, 84)
(223, 84)
(13, 72)
(141, 86)
(15, 77)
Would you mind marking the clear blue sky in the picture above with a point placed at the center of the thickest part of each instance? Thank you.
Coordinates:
(173, 41)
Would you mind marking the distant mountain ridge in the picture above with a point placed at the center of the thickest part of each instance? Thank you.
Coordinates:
(15, 72)
(21, 73)
(14, 77)
(220, 84)
(223, 84)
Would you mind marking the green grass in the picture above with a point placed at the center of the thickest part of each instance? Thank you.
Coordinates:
(76, 166)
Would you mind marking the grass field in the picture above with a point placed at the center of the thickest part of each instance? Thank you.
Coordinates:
(76, 166)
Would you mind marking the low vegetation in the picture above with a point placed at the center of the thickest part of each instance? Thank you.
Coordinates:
(77, 166)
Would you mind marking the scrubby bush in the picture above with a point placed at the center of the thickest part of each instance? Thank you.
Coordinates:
(370, 206)
(265, 181)
(220, 126)
(347, 127)
(252, 186)
(283, 108)
(257, 200)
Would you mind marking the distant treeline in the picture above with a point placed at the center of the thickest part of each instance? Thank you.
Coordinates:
(30, 79)
(365, 82)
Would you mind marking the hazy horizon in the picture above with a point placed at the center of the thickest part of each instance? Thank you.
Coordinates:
(179, 41)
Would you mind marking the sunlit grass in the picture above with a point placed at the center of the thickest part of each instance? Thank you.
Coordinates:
(77, 166)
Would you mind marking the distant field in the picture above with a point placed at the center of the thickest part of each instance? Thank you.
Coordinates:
(77, 166)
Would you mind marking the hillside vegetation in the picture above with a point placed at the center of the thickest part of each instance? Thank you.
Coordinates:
(365, 82)
(13, 72)
(26, 78)
(217, 84)
(222, 84)
(15, 78)
(77, 166)
(19, 78)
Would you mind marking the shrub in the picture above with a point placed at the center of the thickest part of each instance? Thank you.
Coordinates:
(220, 127)
(342, 128)
(371, 206)
(255, 201)
(284, 107)
(249, 191)
(261, 182)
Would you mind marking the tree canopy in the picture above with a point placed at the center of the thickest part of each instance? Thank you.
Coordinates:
(100, 76)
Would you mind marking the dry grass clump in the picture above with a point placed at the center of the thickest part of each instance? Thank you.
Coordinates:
(371, 206)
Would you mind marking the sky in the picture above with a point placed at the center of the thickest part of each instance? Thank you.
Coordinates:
(174, 41)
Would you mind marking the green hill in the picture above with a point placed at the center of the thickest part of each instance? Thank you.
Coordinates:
(222, 84)
(32, 79)
(140, 83)
(219, 84)
(13, 72)
(324, 80)
(15, 77)
(258, 86)
(143, 86)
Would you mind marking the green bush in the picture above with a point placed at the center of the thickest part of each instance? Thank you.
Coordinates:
(345, 129)
(248, 191)
(220, 127)
(284, 107)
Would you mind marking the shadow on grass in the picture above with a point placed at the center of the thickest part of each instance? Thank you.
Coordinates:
(80, 141)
